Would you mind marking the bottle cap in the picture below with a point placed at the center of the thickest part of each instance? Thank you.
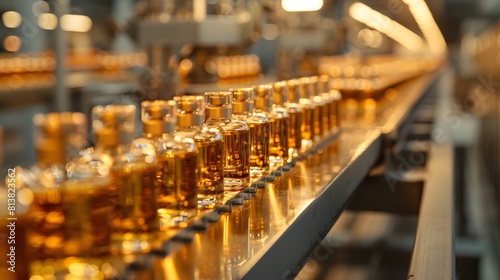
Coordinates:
(305, 88)
(335, 94)
(114, 124)
(158, 117)
(243, 100)
(264, 97)
(59, 136)
(219, 104)
(280, 93)
(188, 113)
(314, 85)
(199, 99)
(293, 90)
(324, 83)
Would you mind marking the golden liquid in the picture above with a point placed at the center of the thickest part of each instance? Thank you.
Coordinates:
(278, 142)
(334, 114)
(70, 220)
(259, 148)
(325, 119)
(136, 211)
(317, 125)
(236, 159)
(307, 128)
(211, 176)
(294, 134)
(179, 182)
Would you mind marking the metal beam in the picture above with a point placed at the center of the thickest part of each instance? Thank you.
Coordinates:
(433, 254)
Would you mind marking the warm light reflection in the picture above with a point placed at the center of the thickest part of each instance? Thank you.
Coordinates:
(47, 21)
(371, 38)
(384, 24)
(76, 23)
(301, 5)
(11, 19)
(12, 43)
(428, 25)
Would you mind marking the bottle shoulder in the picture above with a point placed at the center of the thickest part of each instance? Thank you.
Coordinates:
(257, 118)
(233, 125)
(293, 108)
(278, 113)
(306, 103)
(204, 133)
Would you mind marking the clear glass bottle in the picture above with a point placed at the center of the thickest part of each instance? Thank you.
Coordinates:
(333, 100)
(335, 109)
(322, 103)
(309, 91)
(133, 169)
(259, 125)
(177, 174)
(280, 121)
(307, 106)
(296, 114)
(190, 119)
(236, 137)
(69, 210)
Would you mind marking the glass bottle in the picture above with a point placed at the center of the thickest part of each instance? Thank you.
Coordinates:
(308, 91)
(323, 103)
(280, 121)
(332, 99)
(236, 137)
(69, 210)
(296, 113)
(133, 168)
(259, 125)
(335, 109)
(290, 101)
(307, 107)
(190, 119)
(177, 172)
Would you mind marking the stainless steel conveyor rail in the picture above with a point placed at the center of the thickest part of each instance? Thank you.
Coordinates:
(433, 255)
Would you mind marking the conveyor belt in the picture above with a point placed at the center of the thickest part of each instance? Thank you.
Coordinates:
(268, 231)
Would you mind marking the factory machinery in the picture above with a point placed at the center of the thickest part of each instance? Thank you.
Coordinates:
(387, 145)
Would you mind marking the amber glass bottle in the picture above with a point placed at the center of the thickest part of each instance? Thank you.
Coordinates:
(236, 137)
(208, 139)
(280, 121)
(259, 125)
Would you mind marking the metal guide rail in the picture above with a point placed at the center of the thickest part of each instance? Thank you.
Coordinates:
(268, 230)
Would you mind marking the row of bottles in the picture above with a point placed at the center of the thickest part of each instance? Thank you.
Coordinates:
(119, 196)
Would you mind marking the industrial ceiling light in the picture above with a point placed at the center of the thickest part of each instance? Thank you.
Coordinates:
(387, 26)
(301, 5)
(76, 23)
(423, 16)
(11, 19)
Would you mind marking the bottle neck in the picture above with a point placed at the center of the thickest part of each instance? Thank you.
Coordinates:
(156, 128)
(109, 138)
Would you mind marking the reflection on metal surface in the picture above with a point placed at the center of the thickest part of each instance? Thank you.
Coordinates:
(242, 236)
